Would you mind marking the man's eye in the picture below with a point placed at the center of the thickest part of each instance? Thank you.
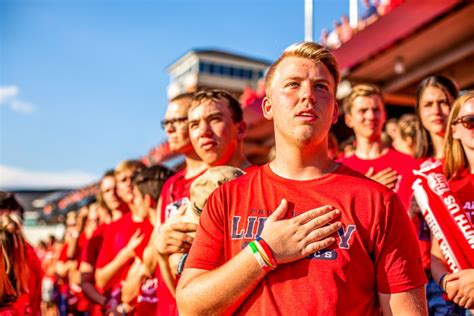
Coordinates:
(322, 86)
(292, 84)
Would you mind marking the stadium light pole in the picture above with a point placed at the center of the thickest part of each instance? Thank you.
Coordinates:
(308, 20)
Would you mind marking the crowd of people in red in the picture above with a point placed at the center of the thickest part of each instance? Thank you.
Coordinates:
(319, 229)
(342, 31)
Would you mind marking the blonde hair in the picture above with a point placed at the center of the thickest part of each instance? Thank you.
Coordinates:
(455, 160)
(360, 90)
(308, 50)
(454, 156)
(126, 165)
(14, 270)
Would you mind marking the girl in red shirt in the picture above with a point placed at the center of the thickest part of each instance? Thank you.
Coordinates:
(459, 169)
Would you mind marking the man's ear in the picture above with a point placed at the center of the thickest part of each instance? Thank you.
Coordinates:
(241, 130)
(267, 108)
(335, 115)
(348, 120)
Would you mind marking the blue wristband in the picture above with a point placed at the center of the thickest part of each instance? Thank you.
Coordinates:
(440, 283)
(181, 263)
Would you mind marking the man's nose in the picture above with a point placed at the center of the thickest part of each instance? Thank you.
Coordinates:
(204, 128)
(169, 128)
(308, 92)
(370, 114)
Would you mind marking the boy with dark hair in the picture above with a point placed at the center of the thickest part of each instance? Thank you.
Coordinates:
(147, 186)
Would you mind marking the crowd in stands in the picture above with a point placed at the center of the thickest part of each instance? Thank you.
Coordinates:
(342, 31)
(326, 227)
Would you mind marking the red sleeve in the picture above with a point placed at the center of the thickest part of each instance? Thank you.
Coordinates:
(398, 262)
(63, 254)
(146, 229)
(91, 251)
(34, 280)
(105, 253)
(207, 251)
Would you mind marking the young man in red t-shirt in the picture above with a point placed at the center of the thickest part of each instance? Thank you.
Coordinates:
(216, 132)
(329, 234)
(115, 207)
(122, 237)
(174, 194)
(147, 188)
(365, 114)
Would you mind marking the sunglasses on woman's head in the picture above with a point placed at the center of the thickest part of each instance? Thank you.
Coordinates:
(467, 121)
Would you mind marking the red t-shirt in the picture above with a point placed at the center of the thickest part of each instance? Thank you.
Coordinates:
(396, 160)
(76, 298)
(116, 237)
(147, 300)
(376, 249)
(93, 247)
(463, 190)
(175, 193)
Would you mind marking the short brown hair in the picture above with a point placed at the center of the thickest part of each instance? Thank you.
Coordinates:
(219, 94)
(360, 90)
(308, 50)
(150, 181)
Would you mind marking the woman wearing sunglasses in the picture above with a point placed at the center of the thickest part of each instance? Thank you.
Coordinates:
(459, 170)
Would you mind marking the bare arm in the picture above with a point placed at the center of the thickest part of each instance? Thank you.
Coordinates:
(438, 265)
(223, 289)
(172, 238)
(412, 302)
(234, 281)
(105, 274)
(135, 277)
(459, 286)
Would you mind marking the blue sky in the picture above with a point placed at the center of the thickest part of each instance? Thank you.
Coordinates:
(83, 82)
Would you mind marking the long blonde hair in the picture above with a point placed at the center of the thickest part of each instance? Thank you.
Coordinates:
(455, 157)
(14, 270)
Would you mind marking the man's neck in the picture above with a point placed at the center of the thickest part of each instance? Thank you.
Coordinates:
(405, 148)
(194, 166)
(370, 148)
(238, 159)
(117, 213)
(138, 215)
(302, 163)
